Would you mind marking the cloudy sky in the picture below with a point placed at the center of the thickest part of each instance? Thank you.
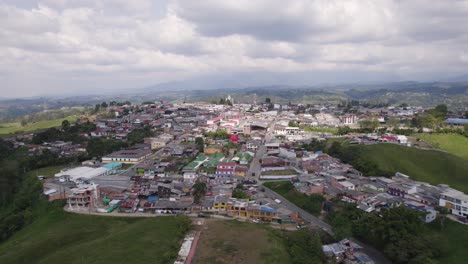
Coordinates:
(74, 46)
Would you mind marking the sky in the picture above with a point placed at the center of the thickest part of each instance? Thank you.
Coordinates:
(59, 47)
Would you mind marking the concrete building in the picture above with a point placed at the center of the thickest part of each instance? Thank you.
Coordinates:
(456, 202)
(83, 196)
(82, 172)
(129, 156)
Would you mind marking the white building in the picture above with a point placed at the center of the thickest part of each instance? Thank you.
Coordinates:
(288, 131)
(402, 139)
(81, 172)
(350, 119)
(455, 201)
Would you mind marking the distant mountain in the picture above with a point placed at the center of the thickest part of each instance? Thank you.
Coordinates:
(309, 79)
(459, 78)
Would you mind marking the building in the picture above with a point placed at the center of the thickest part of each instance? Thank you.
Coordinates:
(83, 196)
(254, 144)
(456, 202)
(349, 119)
(225, 169)
(129, 156)
(82, 172)
(429, 214)
(156, 143)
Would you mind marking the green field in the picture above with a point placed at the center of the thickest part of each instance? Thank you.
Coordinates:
(60, 237)
(453, 143)
(430, 166)
(280, 172)
(10, 128)
(46, 171)
(331, 130)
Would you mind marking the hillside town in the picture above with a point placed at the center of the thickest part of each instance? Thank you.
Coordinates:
(211, 160)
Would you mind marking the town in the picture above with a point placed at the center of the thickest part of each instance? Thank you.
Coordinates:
(219, 160)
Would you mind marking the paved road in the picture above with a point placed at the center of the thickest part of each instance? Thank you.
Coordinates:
(255, 166)
(313, 220)
(302, 213)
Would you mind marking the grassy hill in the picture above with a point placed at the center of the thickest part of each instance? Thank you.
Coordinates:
(9, 128)
(430, 166)
(454, 242)
(60, 237)
(453, 143)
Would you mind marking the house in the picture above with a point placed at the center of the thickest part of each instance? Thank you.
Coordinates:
(254, 144)
(456, 202)
(272, 161)
(156, 143)
(401, 189)
(84, 196)
(349, 119)
(129, 156)
(429, 214)
(225, 169)
(190, 176)
(220, 202)
(128, 206)
(240, 171)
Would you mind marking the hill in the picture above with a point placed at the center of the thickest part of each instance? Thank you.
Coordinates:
(9, 128)
(60, 237)
(453, 143)
(430, 166)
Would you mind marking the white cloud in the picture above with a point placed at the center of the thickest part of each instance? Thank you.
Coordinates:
(111, 43)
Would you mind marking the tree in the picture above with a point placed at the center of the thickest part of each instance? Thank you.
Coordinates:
(103, 105)
(344, 130)
(198, 191)
(370, 124)
(393, 122)
(137, 135)
(293, 123)
(24, 122)
(200, 143)
(342, 227)
(443, 212)
(97, 108)
(267, 100)
(65, 125)
(441, 111)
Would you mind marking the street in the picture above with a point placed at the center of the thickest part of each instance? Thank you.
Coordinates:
(373, 253)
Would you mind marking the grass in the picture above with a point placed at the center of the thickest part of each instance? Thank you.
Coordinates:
(60, 237)
(280, 172)
(331, 130)
(454, 242)
(10, 128)
(238, 242)
(46, 171)
(430, 166)
(453, 143)
(311, 203)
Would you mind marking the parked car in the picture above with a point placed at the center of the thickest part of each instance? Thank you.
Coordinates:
(202, 215)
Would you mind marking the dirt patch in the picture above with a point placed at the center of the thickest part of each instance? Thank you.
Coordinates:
(236, 242)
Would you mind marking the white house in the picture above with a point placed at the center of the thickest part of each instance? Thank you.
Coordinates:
(455, 201)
